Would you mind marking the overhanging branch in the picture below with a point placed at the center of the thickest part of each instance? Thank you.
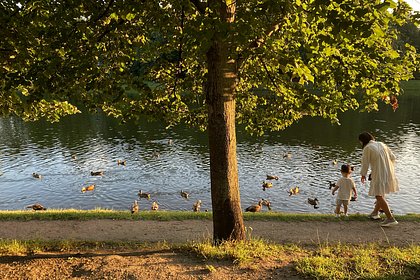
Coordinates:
(258, 42)
(200, 6)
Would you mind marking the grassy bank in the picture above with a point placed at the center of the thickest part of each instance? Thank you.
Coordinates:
(364, 261)
(316, 261)
(73, 214)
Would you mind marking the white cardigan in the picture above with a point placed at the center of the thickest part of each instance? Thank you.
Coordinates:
(381, 160)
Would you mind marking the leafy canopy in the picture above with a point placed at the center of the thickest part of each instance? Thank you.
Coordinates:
(148, 58)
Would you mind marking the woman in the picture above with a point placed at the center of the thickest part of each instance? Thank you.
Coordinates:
(380, 159)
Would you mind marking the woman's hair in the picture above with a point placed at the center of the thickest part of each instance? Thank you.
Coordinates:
(365, 138)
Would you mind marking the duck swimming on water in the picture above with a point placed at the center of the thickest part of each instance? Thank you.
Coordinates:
(267, 185)
(314, 202)
(185, 194)
(332, 185)
(121, 162)
(266, 203)
(141, 194)
(88, 188)
(293, 191)
(272, 177)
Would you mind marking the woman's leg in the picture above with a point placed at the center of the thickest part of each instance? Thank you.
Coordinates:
(376, 208)
(382, 204)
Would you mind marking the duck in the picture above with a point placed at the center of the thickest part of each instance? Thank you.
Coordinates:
(266, 203)
(141, 194)
(272, 177)
(121, 162)
(287, 156)
(255, 208)
(88, 188)
(155, 206)
(97, 173)
(36, 207)
(185, 195)
(267, 185)
(196, 206)
(293, 191)
(314, 202)
(332, 185)
(135, 207)
(36, 175)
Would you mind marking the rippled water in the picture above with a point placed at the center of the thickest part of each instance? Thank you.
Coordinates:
(164, 162)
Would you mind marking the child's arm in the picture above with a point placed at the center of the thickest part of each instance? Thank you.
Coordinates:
(355, 191)
(335, 189)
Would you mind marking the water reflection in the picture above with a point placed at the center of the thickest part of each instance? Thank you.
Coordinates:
(163, 162)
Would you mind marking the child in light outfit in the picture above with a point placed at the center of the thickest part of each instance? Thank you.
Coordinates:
(345, 186)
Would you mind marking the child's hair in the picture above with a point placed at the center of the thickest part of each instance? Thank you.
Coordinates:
(346, 168)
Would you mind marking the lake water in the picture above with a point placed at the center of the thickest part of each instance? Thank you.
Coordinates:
(164, 162)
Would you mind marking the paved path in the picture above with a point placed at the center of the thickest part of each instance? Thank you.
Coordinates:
(308, 232)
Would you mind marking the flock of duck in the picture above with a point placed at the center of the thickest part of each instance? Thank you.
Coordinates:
(134, 207)
(155, 206)
(267, 184)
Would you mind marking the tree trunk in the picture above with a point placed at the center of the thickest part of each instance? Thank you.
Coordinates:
(227, 214)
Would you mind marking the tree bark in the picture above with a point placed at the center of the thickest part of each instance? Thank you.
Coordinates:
(227, 214)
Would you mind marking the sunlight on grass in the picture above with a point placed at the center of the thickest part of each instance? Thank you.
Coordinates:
(338, 261)
(238, 252)
(361, 262)
(13, 247)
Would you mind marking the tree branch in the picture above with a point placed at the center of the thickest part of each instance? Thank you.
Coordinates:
(271, 78)
(257, 43)
(104, 12)
(200, 6)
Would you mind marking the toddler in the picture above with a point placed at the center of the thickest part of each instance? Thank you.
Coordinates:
(345, 186)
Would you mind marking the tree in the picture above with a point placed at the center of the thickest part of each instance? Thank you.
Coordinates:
(261, 63)
(410, 33)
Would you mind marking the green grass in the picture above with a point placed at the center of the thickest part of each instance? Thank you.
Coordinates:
(361, 262)
(370, 261)
(28, 247)
(73, 214)
(324, 261)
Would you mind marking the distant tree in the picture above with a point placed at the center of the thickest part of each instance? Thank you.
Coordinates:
(208, 63)
(409, 33)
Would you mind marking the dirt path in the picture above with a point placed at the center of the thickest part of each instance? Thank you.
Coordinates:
(181, 231)
(169, 264)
